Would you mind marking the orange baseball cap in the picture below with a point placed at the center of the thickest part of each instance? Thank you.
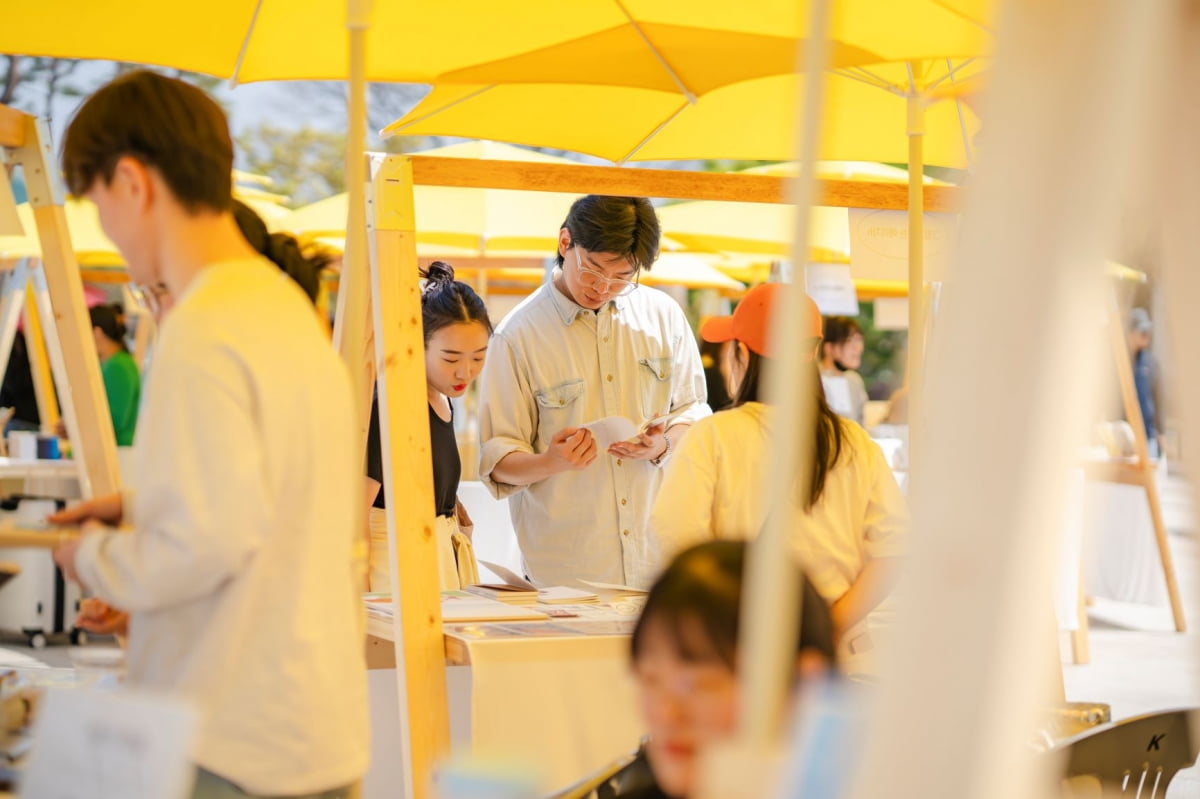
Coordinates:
(751, 320)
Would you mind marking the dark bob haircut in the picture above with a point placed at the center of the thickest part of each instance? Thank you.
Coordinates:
(697, 601)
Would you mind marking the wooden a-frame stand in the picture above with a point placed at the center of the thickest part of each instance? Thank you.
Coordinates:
(1140, 471)
(58, 317)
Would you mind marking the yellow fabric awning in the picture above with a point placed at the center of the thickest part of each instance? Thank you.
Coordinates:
(462, 221)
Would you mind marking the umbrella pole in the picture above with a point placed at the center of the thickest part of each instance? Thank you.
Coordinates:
(916, 271)
(351, 331)
(771, 602)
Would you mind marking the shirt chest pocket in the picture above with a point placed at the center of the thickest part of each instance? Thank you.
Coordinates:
(655, 375)
(559, 406)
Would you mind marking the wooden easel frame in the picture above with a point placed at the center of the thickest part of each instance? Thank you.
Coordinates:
(1139, 472)
(389, 312)
(58, 299)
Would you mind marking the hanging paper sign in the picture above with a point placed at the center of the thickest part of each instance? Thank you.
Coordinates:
(832, 289)
(879, 244)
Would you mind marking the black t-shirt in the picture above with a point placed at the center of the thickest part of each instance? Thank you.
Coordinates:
(447, 468)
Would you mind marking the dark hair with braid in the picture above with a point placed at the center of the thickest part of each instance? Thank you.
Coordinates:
(281, 249)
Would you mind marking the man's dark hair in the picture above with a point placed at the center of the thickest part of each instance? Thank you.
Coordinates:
(164, 123)
(627, 226)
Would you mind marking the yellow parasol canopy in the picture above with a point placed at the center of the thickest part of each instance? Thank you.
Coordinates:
(669, 45)
(754, 119)
(768, 230)
(92, 247)
(459, 221)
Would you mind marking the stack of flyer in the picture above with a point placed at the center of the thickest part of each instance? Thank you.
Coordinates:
(459, 606)
(519, 591)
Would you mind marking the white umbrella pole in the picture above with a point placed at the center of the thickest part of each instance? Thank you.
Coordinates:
(771, 603)
(916, 272)
(351, 334)
(971, 661)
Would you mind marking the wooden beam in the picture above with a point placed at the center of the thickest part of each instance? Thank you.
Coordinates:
(676, 184)
(408, 470)
(39, 362)
(12, 127)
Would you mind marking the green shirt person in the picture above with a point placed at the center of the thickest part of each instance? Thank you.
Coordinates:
(122, 381)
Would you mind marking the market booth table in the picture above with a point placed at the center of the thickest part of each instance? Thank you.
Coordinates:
(552, 698)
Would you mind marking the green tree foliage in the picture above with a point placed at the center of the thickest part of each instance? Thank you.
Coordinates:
(305, 164)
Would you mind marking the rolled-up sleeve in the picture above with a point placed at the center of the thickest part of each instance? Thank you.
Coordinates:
(200, 514)
(885, 529)
(507, 414)
(689, 386)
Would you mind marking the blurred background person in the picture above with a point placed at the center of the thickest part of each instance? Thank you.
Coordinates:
(841, 356)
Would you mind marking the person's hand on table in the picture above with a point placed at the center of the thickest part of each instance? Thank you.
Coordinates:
(96, 616)
(572, 448)
(108, 509)
(648, 445)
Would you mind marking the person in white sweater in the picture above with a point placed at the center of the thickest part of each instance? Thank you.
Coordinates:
(849, 522)
(237, 574)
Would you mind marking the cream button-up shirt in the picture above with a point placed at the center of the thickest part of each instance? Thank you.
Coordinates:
(554, 364)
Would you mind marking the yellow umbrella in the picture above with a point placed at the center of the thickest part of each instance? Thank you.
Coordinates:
(692, 270)
(458, 221)
(753, 228)
(687, 45)
(92, 247)
(754, 119)
(271, 211)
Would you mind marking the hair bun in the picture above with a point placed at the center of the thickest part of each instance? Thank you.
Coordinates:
(438, 272)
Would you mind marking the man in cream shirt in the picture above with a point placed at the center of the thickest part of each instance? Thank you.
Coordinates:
(587, 345)
(237, 575)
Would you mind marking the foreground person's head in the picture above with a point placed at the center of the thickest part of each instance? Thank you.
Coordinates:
(145, 148)
(685, 656)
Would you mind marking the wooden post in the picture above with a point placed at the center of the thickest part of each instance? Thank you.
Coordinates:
(10, 310)
(39, 362)
(408, 470)
(81, 386)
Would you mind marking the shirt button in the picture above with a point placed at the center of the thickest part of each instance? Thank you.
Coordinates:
(618, 461)
(624, 502)
(606, 339)
(625, 532)
(609, 378)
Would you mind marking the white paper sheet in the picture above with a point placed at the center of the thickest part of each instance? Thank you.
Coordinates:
(610, 430)
(111, 745)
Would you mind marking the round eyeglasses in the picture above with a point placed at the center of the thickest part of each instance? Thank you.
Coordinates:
(600, 283)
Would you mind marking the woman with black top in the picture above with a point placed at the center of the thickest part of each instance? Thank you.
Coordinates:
(457, 330)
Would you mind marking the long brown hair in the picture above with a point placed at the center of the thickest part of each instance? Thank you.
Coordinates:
(828, 437)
